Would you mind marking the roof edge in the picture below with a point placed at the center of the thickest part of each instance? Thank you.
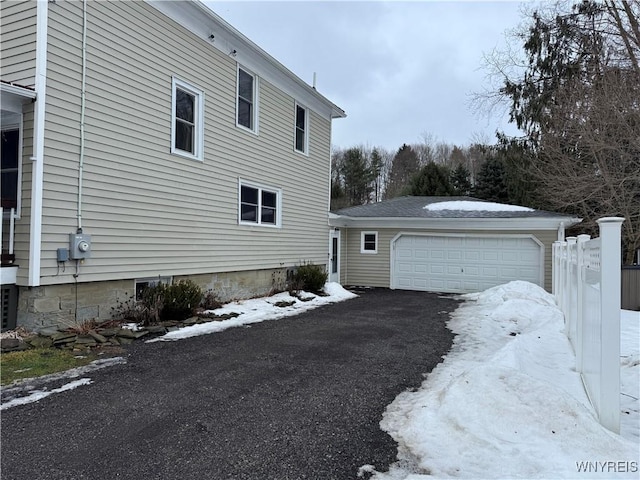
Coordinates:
(461, 223)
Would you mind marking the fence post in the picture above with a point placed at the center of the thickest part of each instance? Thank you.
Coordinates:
(569, 290)
(562, 282)
(579, 348)
(554, 269)
(610, 261)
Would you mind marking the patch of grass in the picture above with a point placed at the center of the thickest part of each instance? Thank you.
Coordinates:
(38, 362)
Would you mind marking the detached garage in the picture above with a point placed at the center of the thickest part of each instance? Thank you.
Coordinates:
(443, 244)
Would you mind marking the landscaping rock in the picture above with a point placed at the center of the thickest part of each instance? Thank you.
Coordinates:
(125, 333)
(97, 337)
(108, 332)
(9, 344)
(40, 342)
(156, 329)
(63, 337)
(85, 340)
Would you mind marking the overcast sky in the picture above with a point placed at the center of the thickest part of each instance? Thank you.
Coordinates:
(399, 69)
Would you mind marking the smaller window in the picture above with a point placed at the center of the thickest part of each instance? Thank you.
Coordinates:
(187, 120)
(246, 108)
(302, 129)
(142, 283)
(369, 242)
(259, 205)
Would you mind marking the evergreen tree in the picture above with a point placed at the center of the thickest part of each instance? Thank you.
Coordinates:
(431, 180)
(405, 165)
(461, 180)
(357, 176)
(491, 182)
(376, 165)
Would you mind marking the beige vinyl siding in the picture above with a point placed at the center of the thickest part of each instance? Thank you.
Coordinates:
(149, 212)
(366, 269)
(375, 269)
(21, 239)
(18, 42)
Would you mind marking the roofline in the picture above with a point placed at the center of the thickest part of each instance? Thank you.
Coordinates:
(17, 90)
(462, 223)
(199, 19)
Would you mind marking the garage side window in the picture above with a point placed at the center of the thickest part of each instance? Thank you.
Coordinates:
(369, 242)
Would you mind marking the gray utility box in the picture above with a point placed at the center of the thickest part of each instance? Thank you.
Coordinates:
(79, 246)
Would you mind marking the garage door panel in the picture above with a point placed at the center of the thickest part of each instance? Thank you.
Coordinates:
(437, 269)
(437, 254)
(489, 256)
(463, 264)
(472, 271)
(510, 256)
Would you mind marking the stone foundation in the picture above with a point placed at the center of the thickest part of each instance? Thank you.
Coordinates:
(68, 305)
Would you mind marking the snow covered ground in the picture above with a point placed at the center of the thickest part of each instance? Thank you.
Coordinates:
(261, 309)
(508, 403)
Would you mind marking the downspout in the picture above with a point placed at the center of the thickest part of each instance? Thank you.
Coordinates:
(82, 110)
(37, 169)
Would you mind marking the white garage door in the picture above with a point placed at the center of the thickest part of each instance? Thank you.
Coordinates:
(463, 263)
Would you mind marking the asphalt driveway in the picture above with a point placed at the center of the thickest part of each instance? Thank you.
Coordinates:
(296, 398)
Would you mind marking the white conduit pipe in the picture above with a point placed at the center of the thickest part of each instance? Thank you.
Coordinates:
(82, 110)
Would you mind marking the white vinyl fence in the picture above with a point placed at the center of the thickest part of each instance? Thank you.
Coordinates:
(586, 284)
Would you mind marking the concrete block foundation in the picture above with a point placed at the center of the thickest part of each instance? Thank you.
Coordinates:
(71, 304)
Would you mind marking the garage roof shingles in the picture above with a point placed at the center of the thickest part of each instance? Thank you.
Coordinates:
(413, 207)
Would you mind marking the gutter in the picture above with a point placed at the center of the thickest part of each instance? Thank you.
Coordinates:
(37, 171)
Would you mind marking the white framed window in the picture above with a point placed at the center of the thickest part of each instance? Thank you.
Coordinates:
(302, 129)
(259, 205)
(11, 168)
(187, 120)
(369, 242)
(247, 100)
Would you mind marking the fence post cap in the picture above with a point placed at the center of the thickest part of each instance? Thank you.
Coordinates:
(610, 220)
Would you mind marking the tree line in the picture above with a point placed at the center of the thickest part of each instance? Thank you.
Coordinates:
(362, 175)
(575, 94)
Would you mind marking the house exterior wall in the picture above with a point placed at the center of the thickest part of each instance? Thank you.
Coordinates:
(152, 213)
(22, 225)
(374, 270)
(18, 40)
(149, 212)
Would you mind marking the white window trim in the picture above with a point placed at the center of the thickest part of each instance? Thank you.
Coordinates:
(368, 252)
(256, 107)
(305, 150)
(198, 117)
(260, 187)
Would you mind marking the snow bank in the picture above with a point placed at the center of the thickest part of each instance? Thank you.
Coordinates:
(507, 401)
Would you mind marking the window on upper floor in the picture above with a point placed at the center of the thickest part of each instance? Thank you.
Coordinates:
(369, 242)
(259, 205)
(302, 129)
(246, 109)
(187, 120)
